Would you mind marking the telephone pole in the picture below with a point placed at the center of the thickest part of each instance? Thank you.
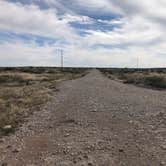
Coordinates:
(61, 51)
(137, 62)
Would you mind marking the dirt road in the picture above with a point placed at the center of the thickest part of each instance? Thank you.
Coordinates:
(92, 121)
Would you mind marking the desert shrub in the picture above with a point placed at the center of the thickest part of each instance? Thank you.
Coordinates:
(11, 79)
(135, 78)
(34, 70)
(156, 81)
(129, 79)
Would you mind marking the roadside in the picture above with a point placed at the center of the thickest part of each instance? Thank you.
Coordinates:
(23, 91)
(149, 78)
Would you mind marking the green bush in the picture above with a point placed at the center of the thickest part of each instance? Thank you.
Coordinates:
(156, 81)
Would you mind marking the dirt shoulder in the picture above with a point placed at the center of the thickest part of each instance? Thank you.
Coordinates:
(92, 121)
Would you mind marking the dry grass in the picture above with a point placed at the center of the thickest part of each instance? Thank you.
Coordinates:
(21, 93)
(146, 78)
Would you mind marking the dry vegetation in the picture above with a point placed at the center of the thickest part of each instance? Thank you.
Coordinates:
(23, 90)
(150, 78)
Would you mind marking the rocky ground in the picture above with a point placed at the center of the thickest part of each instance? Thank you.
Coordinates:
(92, 121)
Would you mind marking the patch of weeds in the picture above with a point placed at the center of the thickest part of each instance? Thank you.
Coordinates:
(11, 79)
(156, 82)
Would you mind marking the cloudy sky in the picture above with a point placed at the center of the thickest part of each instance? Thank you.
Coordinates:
(103, 33)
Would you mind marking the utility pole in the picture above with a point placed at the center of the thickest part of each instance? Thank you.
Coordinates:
(61, 51)
(137, 62)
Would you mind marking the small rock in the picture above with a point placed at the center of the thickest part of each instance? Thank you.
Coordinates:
(50, 126)
(7, 127)
(16, 150)
(163, 147)
(72, 154)
(8, 146)
(94, 110)
(74, 161)
(121, 150)
(162, 163)
(67, 135)
(85, 156)
(54, 153)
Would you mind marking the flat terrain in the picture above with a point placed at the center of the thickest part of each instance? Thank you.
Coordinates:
(92, 121)
(27, 89)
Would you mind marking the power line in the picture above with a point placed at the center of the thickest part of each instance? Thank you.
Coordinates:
(62, 57)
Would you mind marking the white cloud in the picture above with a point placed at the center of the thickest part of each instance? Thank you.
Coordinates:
(153, 10)
(77, 18)
(135, 31)
(104, 6)
(32, 20)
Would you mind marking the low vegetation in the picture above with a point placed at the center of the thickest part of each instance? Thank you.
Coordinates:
(150, 78)
(157, 81)
(23, 90)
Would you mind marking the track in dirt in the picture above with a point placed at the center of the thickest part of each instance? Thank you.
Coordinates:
(93, 121)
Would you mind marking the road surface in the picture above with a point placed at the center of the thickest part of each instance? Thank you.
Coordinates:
(92, 121)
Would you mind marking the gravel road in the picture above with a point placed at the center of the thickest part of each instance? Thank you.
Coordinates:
(92, 121)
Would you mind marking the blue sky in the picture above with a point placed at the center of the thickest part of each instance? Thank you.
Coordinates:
(106, 33)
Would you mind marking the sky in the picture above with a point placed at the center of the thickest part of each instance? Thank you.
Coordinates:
(93, 33)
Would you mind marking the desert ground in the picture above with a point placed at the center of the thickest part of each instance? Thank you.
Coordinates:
(87, 120)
